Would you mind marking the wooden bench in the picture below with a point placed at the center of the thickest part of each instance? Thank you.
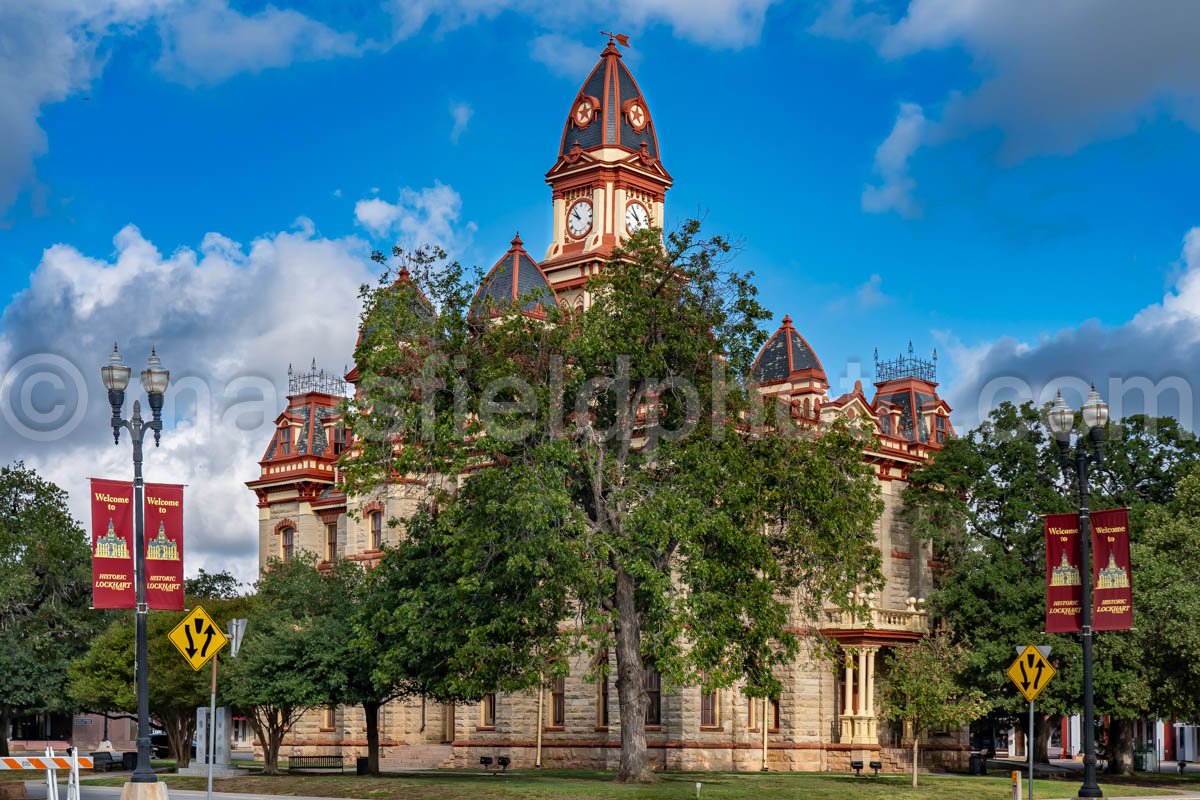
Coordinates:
(301, 763)
(104, 760)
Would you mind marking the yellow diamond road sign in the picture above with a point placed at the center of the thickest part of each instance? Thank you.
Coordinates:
(198, 638)
(1031, 672)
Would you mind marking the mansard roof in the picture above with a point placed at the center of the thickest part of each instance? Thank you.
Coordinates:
(618, 113)
(514, 280)
(787, 354)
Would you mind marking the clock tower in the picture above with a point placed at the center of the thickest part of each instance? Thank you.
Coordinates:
(608, 181)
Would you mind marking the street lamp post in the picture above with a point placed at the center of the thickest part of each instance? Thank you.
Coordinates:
(154, 379)
(1089, 449)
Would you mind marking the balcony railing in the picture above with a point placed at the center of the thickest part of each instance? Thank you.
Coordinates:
(912, 618)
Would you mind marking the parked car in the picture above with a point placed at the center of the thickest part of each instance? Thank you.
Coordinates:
(160, 746)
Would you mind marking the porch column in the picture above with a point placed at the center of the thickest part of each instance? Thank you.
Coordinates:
(848, 685)
(862, 682)
(869, 708)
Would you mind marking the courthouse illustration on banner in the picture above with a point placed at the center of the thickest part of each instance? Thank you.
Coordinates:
(1112, 597)
(112, 544)
(164, 546)
(1112, 587)
(1064, 590)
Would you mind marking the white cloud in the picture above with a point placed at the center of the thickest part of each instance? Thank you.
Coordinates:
(53, 49)
(565, 57)
(716, 23)
(426, 216)
(461, 113)
(207, 41)
(1150, 364)
(895, 190)
(1054, 76)
(870, 294)
(48, 51)
(226, 318)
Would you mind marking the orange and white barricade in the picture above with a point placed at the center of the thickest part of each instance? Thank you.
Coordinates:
(71, 762)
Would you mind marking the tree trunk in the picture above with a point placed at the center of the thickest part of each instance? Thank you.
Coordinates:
(1041, 738)
(371, 711)
(5, 722)
(1120, 747)
(268, 724)
(631, 685)
(916, 745)
(180, 729)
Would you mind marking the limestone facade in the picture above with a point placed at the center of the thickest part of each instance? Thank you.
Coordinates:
(828, 713)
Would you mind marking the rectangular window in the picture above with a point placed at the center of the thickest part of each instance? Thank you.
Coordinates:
(487, 711)
(940, 428)
(327, 718)
(287, 544)
(376, 530)
(653, 684)
(754, 706)
(709, 715)
(285, 440)
(331, 542)
(558, 703)
(339, 439)
(602, 701)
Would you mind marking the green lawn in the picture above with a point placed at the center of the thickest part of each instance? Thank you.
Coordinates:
(579, 784)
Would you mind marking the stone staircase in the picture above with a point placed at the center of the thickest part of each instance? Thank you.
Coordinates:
(416, 756)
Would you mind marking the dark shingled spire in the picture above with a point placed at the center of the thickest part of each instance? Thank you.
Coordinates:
(786, 353)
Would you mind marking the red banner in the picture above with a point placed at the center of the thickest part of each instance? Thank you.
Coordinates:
(1112, 587)
(1064, 589)
(112, 544)
(164, 546)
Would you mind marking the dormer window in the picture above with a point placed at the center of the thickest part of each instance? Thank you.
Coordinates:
(339, 439)
(940, 430)
(285, 440)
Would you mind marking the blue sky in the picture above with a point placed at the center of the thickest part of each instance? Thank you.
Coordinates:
(1014, 187)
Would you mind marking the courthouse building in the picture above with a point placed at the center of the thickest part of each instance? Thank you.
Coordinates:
(608, 180)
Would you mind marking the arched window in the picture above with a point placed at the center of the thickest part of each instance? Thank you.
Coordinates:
(287, 543)
(376, 530)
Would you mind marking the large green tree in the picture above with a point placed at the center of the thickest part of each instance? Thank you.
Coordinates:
(45, 591)
(600, 479)
(982, 502)
(288, 657)
(102, 679)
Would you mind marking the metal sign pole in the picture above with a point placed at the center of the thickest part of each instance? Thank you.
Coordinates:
(210, 735)
(1029, 747)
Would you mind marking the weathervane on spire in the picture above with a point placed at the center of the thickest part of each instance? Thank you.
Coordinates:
(621, 38)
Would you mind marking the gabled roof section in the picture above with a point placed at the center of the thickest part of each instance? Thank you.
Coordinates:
(514, 280)
(609, 110)
(787, 355)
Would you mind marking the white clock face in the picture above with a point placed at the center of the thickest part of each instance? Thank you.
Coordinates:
(636, 217)
(579, 218)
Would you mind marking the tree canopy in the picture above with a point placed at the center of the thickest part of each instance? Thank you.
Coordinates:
(45, 592)
(605, 467)
(982, 502)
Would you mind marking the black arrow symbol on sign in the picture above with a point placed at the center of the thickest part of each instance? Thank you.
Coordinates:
(191, 648)
(208, 637)
(1024, 676)
(1037, 681)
